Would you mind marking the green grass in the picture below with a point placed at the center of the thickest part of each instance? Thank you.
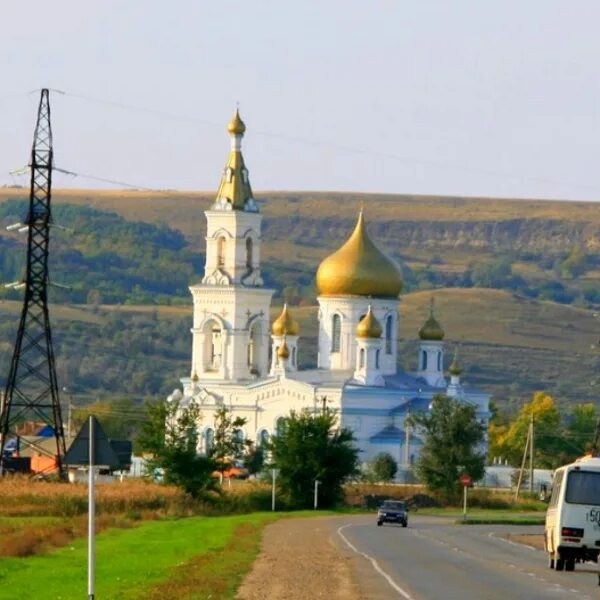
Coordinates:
(480, 516)
(181, 556)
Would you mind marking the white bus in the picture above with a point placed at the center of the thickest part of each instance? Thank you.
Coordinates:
(572, 532)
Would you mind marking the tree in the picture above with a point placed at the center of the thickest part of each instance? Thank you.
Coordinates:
(229, 444)
(509, 441)
(452, 436)
(383, 467)
(581, 429)
(310, 447)
(170, 434)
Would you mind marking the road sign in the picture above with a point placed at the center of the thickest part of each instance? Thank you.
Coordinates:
(466, 480)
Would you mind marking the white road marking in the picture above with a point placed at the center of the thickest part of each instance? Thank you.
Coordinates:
(376, 566)
(511, 542)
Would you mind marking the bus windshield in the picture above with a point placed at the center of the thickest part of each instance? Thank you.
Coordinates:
(583, 487)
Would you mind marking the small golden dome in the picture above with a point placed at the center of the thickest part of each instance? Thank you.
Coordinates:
(455, 368)
(359, 268)
(283, 351)
(236, 125)
(195, 377)
(284, 324)
(369, 326)
(431, 330)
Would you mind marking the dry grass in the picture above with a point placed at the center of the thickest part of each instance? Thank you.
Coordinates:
(22, 496)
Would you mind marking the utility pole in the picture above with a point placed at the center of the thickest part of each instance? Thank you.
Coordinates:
(531, 439)
(522, 470)
(31, 386)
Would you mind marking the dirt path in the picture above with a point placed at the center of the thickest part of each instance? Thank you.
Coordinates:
(299, 561)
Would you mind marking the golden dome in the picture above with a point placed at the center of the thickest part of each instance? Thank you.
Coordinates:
(195, 377)
(359, 268)
(284, 324)
(236, 125)
(431, 330)
(455, 368)
(369, 326)
(283, 351)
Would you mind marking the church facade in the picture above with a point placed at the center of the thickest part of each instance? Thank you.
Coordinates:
(242, 361)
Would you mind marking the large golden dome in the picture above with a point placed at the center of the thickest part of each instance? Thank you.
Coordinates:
(284, 324)
(369, 326)
(359, 268)
(431, 329)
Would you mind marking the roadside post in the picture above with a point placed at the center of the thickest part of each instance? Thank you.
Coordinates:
(466, 481)
(317, 483)
(91, 448)
(274, 477)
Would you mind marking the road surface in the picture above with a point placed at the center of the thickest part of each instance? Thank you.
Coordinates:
(434, 559)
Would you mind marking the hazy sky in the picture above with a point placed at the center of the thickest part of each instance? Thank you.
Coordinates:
(439, 97)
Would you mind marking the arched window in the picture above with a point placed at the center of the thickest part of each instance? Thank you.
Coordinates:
(361, 359)
(423, 360)
(294, 356)
(249, 257)
(336, 333)
(388, 334)
(377, 359)
(221, 251)
(213, 346)
(439, 361)
(209, 440)
(263, 438)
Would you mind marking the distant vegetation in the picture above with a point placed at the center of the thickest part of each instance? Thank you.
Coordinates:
(497, 267)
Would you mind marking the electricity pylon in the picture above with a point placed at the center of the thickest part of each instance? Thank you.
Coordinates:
(31, 392)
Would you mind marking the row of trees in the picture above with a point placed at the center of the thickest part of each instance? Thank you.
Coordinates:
(309, 447)
(560, 437)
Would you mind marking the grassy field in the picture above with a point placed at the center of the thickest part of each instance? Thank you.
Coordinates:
(183, 558)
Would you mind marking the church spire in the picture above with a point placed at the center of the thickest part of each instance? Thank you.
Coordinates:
(235, 192)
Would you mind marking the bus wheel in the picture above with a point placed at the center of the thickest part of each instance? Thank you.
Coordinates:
(559, 565)
(570, 564)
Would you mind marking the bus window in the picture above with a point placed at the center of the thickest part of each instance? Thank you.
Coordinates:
(556, 488)
(583, 487)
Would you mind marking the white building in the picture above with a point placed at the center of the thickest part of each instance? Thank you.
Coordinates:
(240, 361)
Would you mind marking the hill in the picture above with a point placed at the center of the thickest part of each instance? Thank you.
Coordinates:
(511, 346)
(495, 265)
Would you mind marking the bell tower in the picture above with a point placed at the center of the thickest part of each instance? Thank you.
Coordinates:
(231, 307)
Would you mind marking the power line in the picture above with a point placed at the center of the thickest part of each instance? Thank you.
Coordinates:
(339, 147)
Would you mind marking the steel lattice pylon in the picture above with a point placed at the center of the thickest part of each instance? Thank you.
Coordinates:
(31, 388)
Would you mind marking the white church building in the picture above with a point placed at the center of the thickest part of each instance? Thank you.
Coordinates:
(242, 361)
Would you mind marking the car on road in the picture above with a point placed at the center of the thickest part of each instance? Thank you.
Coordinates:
(393, 511)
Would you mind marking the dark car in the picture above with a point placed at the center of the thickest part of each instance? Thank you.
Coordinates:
(393, 511)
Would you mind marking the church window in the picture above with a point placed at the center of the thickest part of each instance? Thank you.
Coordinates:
(377, 359)
(294, 356)
(336, 333)
(263, 438)
(439, 361)
(388, 334)
(213, 346)
(423, 360)
(361, 359)
(221, 252)
(249, 257)
(209, 440)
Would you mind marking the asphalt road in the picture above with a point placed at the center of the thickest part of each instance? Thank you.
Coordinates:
(434, 559)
